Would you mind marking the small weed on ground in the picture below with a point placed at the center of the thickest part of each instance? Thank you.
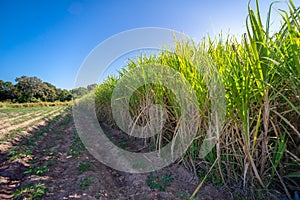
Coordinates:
(85, 182)
(31, 191)
(36, 170)
(159, 182)
(84, 166)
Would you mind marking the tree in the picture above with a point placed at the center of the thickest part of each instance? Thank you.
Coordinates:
(79, 92)
(30, 88)
(8, 91)
(91, 87)
(49, 92)
(64, 95)
(33, 89)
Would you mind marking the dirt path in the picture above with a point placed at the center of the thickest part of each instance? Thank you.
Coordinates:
(59, 167)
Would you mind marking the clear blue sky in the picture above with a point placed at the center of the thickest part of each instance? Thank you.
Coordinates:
(50, 38)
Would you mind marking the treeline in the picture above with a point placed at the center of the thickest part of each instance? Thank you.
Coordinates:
(33, 89)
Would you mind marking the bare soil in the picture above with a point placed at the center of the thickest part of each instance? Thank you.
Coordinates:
(72, 173)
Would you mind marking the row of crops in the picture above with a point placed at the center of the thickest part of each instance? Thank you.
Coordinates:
(16, 121)
(257, 151)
